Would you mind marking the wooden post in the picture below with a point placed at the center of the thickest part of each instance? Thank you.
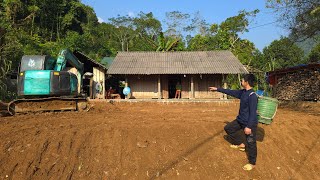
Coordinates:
(104, 83)
(224, 86)
(91, 88)
(159, 87)
(192, 88)
(94, 83)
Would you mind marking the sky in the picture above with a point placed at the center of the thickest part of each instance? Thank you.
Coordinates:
(262, 31)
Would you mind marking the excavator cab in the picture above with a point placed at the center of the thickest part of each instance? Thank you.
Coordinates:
(37, 77)
(37, 62)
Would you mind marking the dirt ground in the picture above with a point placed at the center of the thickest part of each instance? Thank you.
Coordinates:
(148, 140)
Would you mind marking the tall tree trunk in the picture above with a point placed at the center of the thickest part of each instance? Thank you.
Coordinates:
(32, 24)
(58, 26)
(2, 32)
(52, 27)
(127, 46)
(122, 45)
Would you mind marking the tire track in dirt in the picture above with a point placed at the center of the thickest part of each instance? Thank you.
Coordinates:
(8, 146)
(185, 154)
(12, 171)
(72, 140)
(285, 147)
(70, 174)
(33, 168)
(66, 154)
(116, 151)
(50, 169)
(312, 150)
(84, 155)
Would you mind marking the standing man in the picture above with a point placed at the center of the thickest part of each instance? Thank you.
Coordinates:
(246, 119)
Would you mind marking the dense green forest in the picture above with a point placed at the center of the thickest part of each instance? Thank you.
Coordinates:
(46, 26)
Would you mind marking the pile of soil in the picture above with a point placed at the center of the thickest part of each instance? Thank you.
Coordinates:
(154, 140)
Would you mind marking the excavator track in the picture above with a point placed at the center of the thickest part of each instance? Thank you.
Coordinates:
(3, 108)
(49, 104)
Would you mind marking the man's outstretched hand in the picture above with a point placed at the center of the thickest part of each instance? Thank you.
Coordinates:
(213, 88)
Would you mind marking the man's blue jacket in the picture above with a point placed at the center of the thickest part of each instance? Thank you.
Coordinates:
(248, 106)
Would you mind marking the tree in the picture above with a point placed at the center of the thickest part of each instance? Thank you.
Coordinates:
(198, 25)
(281, 54)
(137, 33)
(225, 36)
(147, 28)
(33, 10)
(10, 46)
(245, 51)
(147, 25)
(302, 18)
(314, 55)
(199, 43)
(228, 31)
(176, 22)
(11, 8)
(124, 30)
(78, 17)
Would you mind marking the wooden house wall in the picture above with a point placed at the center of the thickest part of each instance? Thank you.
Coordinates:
(202, 84)
(143, 86)
(164, 86)
(185, 87)
(146, 86)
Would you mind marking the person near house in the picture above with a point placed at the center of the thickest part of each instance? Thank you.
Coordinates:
(178, 90)
(111, 94)
(246, 119)
(99, 89)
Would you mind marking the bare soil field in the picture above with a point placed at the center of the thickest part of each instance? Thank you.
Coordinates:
(147, 140)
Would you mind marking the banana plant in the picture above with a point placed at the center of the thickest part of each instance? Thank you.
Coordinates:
(166, 45)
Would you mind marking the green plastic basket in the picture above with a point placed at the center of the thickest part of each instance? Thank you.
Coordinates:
(267, 108)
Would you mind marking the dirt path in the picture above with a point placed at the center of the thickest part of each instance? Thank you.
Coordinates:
(155, 140)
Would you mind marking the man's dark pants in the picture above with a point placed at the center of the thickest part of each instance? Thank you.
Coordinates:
(233, 128)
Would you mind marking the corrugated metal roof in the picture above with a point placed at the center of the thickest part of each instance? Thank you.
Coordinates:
(182, 62)
(84, 59)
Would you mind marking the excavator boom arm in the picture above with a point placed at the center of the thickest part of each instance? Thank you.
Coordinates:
(66, 56)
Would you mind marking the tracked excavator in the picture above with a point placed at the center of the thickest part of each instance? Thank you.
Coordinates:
(48, 84)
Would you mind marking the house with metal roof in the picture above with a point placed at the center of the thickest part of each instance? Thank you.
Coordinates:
(95, 72)
(155, 74)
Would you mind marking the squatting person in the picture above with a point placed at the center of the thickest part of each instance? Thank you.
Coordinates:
(246, 119)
